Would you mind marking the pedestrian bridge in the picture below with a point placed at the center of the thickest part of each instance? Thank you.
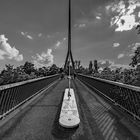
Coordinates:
(108, 110)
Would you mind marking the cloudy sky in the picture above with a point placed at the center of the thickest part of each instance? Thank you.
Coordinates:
(36, 31)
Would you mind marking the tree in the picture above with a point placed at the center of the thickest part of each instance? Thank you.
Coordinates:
(28, 67)
(106, 73)
(138, 28)
(7, 74)
(136, 58)
(136, 63)
(53, 70)
(96, 66)
(61, 70)
(129, 76)
(90, 68)
(25, 72)
(78, 64)
(118, 75)
(41, 72)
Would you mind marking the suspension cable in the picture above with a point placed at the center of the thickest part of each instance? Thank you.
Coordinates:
(69, 76)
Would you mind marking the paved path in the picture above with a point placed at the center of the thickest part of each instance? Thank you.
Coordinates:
(40, 120)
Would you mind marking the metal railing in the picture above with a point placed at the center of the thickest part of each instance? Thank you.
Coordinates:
(125, 96)
(13, 95)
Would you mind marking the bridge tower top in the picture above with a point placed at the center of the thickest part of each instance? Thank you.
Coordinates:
(69, 57)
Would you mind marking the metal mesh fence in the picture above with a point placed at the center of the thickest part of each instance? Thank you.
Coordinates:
(11, 96)
(127, 97)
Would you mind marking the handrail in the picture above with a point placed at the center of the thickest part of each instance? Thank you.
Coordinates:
(125, 96)
(13, 95)
(115, 83)
(24, 82)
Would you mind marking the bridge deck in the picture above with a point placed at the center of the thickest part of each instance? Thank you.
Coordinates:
(99, 121)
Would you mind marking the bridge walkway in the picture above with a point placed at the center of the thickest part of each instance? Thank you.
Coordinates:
(39, 121)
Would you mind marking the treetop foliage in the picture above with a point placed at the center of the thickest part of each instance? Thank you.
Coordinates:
(25, 72)
(127, 76)
(28, 71)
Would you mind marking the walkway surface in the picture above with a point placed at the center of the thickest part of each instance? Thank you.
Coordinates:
(99, 121)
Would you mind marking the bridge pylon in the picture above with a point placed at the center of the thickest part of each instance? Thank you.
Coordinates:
(69, 57)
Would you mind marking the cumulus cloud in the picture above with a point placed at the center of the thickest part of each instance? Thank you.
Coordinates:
(97, 17)
(131, 54)
(58, 43)
(115, 45)
(64, 38)
(7, 51)
(135, 46)
(22, 33)
(105, 63)
(85, 22)
(129, 51)
(61, 43)
(111, 64)
(44, 59)
(25, 34)
(49, 36)
(40, 34)
(121, 55)
(126, 17)
(139, 14)
(29, 37)
(132, 48)
(123, 66)
(80, 25)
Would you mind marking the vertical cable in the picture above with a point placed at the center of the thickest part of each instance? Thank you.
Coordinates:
(69, 76)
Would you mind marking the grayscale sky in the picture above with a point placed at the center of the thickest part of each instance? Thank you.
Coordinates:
(36, 31)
